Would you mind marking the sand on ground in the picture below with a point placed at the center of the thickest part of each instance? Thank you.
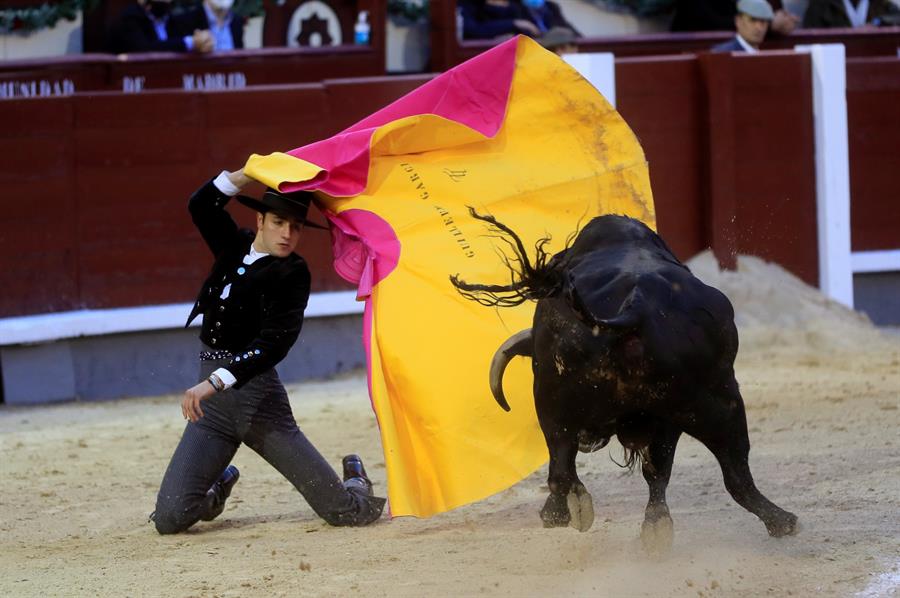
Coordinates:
(822, 391)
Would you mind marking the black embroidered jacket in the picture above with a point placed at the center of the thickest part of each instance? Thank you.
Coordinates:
(261, 316)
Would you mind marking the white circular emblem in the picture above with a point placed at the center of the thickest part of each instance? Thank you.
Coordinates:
(315, 24)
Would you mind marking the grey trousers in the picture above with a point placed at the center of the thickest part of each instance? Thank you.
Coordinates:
(258, 415)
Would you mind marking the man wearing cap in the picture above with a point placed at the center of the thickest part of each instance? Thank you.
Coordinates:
(752, 22)
(718, 15)
(252, 305)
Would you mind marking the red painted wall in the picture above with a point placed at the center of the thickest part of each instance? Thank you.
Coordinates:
(93, 188)
(873, 111)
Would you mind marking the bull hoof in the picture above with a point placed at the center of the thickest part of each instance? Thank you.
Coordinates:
(657, 535)
(555, 512)
(785, 524)
(581, 508)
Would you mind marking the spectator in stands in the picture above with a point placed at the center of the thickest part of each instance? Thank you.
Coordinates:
(487, 19)
(252, 304)
(226, 27)
(848, 13)
(149, 26)
(752, 22)
(718, 15)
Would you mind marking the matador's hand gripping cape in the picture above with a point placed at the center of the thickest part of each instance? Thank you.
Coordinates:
(514, 132)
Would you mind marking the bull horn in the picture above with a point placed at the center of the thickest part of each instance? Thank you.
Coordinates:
(518, 344)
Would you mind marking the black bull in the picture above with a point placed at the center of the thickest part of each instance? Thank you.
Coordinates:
(626, 342)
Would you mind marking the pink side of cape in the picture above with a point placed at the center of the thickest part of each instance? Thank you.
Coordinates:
(474, 93)
(366, 248)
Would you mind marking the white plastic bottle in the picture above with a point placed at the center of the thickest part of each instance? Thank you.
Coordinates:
(362, 29)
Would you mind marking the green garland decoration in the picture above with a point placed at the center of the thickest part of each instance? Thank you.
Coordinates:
(249, 8)
(30, 19)
(642, 8)
(408, 11)
(34, 18)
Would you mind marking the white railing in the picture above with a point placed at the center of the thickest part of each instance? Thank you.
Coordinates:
(95, 322)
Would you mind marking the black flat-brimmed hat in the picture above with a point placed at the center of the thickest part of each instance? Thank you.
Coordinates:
(295, 205)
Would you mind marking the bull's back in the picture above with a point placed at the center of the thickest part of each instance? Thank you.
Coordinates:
(691, 329)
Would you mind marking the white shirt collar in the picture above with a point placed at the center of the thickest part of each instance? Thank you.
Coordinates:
(253, 255)
(747, 47)
(857, 14)
(213, 19)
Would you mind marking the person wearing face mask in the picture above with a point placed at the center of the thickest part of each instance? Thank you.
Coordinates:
(488, 19)
(226, 27)
(149, 26)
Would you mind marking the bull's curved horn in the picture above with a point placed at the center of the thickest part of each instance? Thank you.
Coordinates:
(518, 344)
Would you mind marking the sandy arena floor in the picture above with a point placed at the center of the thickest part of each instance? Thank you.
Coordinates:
(822, 389)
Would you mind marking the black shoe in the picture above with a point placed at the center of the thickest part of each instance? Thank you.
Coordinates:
(220, 490)
(355, 473)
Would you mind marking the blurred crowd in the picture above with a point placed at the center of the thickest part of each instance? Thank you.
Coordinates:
(152, 25)
(752, 20)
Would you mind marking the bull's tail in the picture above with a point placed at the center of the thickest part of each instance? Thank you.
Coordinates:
(529, 281)
(632, 458)
(635, 432)
(518, 344)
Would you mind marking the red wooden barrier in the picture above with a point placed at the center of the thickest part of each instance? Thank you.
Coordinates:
(242, 68)
(95, 186)
(226, 70)
(873, 114)
(134, 154)
(358, 98)
(774, 184)
(60, 76)
(661, 99)
(38, 236)
(729, 141)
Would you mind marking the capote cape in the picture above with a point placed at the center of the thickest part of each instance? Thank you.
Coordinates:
(514, 132)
